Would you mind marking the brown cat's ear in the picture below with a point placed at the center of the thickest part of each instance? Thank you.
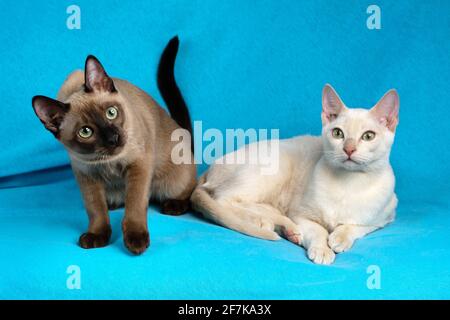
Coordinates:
(386, 110)
(332, 105)
(51, 112)
(95, 77)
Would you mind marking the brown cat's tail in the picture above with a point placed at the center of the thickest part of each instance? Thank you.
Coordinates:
(169, 89)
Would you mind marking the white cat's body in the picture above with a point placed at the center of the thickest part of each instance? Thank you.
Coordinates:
(345, 197)
(333, 201)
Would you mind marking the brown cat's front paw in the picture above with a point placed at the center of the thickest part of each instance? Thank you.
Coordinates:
(91, 240)
(136, 241)
(175, 207)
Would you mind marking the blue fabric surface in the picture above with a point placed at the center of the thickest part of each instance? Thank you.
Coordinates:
(242, 64)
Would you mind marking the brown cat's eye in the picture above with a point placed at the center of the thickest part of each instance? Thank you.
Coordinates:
(337, 133)
(368, 136)
(111, 113)
(85, 132)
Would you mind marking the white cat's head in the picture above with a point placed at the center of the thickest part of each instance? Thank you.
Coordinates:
(358, 139)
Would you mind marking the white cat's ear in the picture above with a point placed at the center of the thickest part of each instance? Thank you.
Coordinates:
(386, 110)
(95, 77)
(332, 105)
(51, 112)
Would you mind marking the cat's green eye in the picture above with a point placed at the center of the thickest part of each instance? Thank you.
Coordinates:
(111, 113)
(85, 132)
(368, 136)
(337, 133)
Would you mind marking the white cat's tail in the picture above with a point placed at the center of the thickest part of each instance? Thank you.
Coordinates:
(239, 217)
(230, 216)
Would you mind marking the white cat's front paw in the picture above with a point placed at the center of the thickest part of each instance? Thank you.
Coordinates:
(340, 240)
(321, 255)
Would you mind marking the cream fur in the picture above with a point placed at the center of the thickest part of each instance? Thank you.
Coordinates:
(332, 201)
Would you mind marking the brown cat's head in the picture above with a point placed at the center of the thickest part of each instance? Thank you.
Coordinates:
(91, 123)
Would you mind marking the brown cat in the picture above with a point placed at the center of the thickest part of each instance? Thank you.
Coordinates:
(119, 142)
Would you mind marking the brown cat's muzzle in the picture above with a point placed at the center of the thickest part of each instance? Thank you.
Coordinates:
(113, 149)
(113, 140)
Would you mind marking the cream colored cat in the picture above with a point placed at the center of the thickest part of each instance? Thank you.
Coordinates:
(336, 188)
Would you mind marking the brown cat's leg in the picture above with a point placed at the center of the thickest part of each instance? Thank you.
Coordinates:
(178, 205)
(180, 183)
(175, 207)
(134, 225)
(99, 230)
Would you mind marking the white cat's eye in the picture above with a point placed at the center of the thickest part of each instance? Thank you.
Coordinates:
(111, 113)
(85, 132)
(337, 133)
(368, 136)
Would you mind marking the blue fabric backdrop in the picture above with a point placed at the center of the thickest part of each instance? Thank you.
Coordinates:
(242, 64)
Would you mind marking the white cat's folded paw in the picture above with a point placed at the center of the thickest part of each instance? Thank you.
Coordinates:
(265, 224)
(293, 236)
(340, 241)
(321, 255)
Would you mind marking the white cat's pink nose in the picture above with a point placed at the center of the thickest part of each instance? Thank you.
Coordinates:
(349, 149)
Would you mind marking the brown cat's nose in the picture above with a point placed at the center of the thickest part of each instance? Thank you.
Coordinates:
(349, 149)
(113, 140)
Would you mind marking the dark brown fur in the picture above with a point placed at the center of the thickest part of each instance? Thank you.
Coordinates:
(126, 161)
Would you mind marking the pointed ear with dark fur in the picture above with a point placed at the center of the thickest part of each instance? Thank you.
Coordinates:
(51, 112)
(332, 105)
(386, 110)
(95, 77)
